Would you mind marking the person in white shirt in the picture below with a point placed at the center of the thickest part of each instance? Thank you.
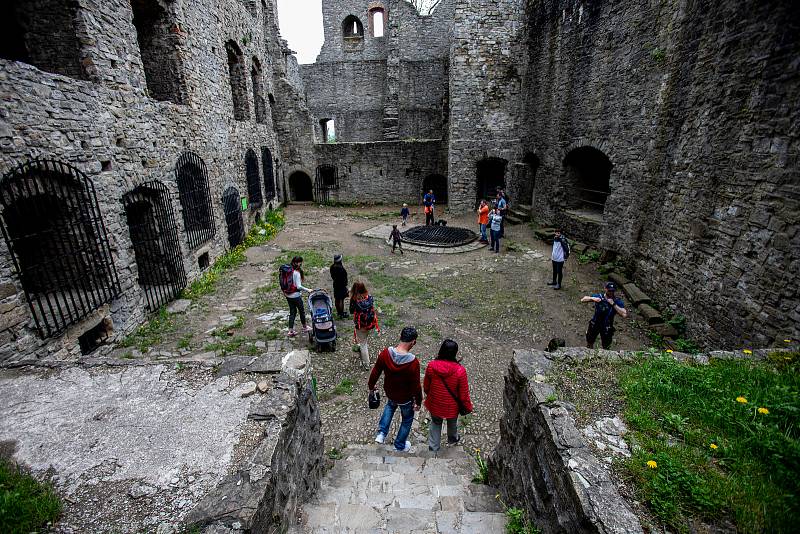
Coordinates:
(559, 256)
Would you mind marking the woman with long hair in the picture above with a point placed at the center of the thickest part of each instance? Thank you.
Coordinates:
(365, 319)
(446, 394)
(291, 279)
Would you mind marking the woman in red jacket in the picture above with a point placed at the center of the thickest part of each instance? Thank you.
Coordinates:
(446, 394)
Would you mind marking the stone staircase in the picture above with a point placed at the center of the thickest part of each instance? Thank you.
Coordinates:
(518, 214)
(373, 489)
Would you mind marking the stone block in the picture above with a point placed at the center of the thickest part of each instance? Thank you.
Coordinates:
(635, 295)
(650, 314)
(179, 306)
(665, 330)
(620, 280)
(6, 290)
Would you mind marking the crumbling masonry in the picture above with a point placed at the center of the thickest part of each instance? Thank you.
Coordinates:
(132, 131)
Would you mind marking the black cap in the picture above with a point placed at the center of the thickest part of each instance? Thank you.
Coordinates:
(408, 334)
(611, 286)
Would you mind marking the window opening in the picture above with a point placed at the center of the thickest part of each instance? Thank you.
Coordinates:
(491, 177)
(269, 173)
(195, 198)
(238, 81)
(588, 175)
(43, 34)
(328, 130)
(253, 180)
(300, 187)
(258, 92)
(159, 49)
(203, 261)
(438, 184)
(154, 235)
(378, 21)
(54, 231)
(352, 27)
(96, 336)
(231, 202)
(329, 175)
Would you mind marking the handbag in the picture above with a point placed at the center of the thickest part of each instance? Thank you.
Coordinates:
(374, 400)
(462, 410)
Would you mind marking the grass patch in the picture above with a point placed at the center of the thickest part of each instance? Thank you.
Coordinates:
(260, 233)
(227, 330)
(234, 344)
(344, 388)
(715, 457)
(152, 333)
(185, 342)
(312, 259)
(589, 257)
(269, 334)
(25, 504)
(403, 288)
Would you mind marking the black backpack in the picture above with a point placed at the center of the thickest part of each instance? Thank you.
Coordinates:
(364, 316)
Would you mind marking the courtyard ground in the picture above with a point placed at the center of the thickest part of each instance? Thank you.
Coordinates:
(489, 303)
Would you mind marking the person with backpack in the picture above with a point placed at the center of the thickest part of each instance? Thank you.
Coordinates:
(446, 394)
(291, 281)
(606, 306)
(397, 239)
(559, 256)
(365, 319)
(400, 369)
(339, 277)
(429, 201)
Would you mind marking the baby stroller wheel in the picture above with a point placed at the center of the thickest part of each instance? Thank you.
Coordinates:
(332, 345)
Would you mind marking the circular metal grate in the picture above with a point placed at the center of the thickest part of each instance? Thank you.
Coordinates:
(439, 236)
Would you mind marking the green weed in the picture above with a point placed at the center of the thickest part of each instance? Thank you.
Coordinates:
(482, 476)
(312, 259)
(25, 504)
(185, 342)
(152, 333)
(589, 257)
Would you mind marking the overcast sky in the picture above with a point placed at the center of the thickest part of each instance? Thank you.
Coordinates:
(301, 25)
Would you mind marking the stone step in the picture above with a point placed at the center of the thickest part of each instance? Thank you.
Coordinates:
(519, 214)
(353, 519)
(511, 219)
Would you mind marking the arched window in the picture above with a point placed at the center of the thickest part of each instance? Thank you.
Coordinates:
(377, 20)
(154, 236)
(231, 203)
(54, 231)
(352, 28)
(195, 198)
(588, 174)
(238, 79)
(43, 34)
(254, 195)
(269, 173)
(158, 46)
(258, 92)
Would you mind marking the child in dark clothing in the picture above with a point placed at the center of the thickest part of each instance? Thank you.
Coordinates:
(396, 239)
(404, 213)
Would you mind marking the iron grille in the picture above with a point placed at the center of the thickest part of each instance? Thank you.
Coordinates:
(269, 173)
(254, 195)
(321, 193)
(154, 235)
(439, 236)
(329, 176)
(195, 197)
(231, 203)
(55, 233)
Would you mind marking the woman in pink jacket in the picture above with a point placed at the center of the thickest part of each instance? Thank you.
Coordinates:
(446, 394)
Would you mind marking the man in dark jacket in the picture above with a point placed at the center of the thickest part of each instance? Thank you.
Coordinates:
(401, 385)
(339, 277)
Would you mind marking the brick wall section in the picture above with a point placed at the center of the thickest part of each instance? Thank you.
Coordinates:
(697, 110)
(113, 120)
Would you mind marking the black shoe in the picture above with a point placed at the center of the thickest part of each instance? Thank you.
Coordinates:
(551, 284)
(556, 287)
(451, 441)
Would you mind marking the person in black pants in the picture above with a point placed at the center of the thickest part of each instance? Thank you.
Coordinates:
(339, 277)
(606, 306)
(559, 256)
(397, 239)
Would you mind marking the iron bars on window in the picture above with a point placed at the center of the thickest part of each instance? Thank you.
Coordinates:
(253, 180)
(269, 173)
(231, 203)
(195, 198)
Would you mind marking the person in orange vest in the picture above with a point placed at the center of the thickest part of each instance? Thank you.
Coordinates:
(483, 220)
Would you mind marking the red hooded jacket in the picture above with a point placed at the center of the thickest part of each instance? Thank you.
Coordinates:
(401, 381)
(438, 400)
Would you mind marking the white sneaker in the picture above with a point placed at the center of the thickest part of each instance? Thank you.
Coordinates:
(380, 438)
(408, 447)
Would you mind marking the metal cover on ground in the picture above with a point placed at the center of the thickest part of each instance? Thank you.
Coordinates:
(439, 236)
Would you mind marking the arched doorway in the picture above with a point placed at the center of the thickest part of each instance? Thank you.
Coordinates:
(301, 188)
(491, 177)
(231, 203)
(587, 180)
(438, 183)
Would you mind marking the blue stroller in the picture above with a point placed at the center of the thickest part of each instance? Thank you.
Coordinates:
(323, 331)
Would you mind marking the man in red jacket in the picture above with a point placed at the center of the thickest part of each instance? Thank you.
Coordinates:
(401, 385)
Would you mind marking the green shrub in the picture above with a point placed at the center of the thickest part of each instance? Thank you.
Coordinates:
(25, 504)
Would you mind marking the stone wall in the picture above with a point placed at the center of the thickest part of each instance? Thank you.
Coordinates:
(382, 172)
(696, 107)
(542, 464)
(116, 128)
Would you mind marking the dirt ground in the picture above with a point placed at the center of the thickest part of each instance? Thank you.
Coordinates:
(489, 303)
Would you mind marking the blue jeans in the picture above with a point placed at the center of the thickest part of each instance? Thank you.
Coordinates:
(483, 232)
(407, 412)
(496, 240)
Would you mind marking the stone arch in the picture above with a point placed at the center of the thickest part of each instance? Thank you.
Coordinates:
(587, 178)
(238, 81)
(301, 187)
(352, 27)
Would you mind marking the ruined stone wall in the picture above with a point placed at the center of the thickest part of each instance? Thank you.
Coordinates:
(382, 172)
(112, 129)
(696, 106)
(485, 89)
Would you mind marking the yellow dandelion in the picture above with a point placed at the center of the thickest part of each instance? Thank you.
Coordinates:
(669, 351)
(747, 351)
(741, 400)
(787, 340)
(714, 446)
(763, 411)
(652, 464)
